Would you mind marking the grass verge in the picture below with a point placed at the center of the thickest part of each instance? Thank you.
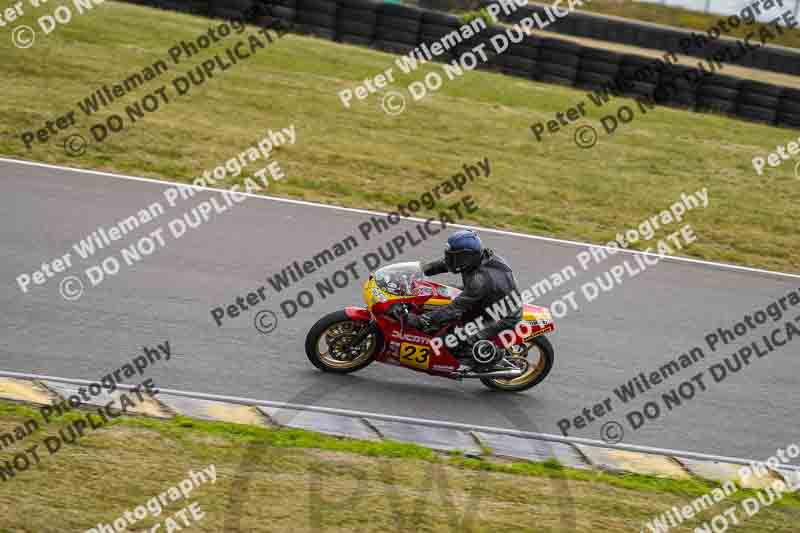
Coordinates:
(302, 481)
(365, 158)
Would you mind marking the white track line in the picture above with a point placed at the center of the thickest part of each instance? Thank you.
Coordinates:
(417, 421)
(415, 219)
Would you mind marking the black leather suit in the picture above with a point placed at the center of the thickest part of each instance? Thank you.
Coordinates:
(490, 282)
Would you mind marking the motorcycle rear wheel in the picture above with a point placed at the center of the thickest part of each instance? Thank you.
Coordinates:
(537, 370)
(338, 356)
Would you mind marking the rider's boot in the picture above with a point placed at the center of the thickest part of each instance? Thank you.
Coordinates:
(481, 356)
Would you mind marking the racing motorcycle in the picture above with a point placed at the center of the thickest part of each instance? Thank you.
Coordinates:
(348, 340)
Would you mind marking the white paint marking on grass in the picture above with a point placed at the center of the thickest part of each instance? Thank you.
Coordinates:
(414, 219)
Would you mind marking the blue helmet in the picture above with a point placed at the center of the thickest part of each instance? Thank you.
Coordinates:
(463, 251)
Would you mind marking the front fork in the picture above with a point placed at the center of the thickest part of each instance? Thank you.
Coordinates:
(371, 328)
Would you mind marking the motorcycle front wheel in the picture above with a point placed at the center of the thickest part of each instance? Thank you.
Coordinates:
(537, 368)
(329, 344)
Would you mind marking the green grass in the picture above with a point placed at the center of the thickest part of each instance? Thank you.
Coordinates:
(363, 158)
(295, 480)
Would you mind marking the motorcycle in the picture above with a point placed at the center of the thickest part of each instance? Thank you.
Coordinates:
(348, 340)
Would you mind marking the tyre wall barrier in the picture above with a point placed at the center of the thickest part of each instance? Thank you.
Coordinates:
(356, 21)
(400, 29)
(675, 88)
(718, 94)
(197, 7)
(487, 50)
(597, 68)
(435, 25)
(789, 108)
(558, 61)
(520, 59)
(316, 17)
(758, 101)
(663, 38)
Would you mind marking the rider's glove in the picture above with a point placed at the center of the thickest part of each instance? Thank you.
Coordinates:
(420, 322)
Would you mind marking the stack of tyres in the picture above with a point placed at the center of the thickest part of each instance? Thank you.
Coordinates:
(789, 108)
(647, 37)
(597, 68)
(626, 34)
(231, 9)
(718, 93)
(602, 32)
(673, 42)
(516, 15)
(629, 32)
(356, 21)
(194, 7)
(475, 56)
(433, 27)
(708, 50)
(585, 28)
(466, 45)
(151, 3)
(284, 10)
(558, 61)
(316, 17)
(520, 59)
(784, 61)
(758, 101)
(761, 58)
(398, 28)
(639, 76)
(197, 7)
(567, 25)
(675, 87)
(263, 16)
(747, 59)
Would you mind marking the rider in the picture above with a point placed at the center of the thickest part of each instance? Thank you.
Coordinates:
(487, 278)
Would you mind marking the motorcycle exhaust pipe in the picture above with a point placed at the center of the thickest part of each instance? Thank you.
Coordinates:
(511, 373)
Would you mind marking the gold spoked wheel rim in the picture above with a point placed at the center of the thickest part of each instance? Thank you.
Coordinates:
(335, 347)
(535, 366)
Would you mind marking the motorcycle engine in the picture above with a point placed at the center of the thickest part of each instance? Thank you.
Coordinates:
(484, 351)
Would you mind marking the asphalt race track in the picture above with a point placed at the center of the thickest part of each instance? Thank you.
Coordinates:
(637, 327)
